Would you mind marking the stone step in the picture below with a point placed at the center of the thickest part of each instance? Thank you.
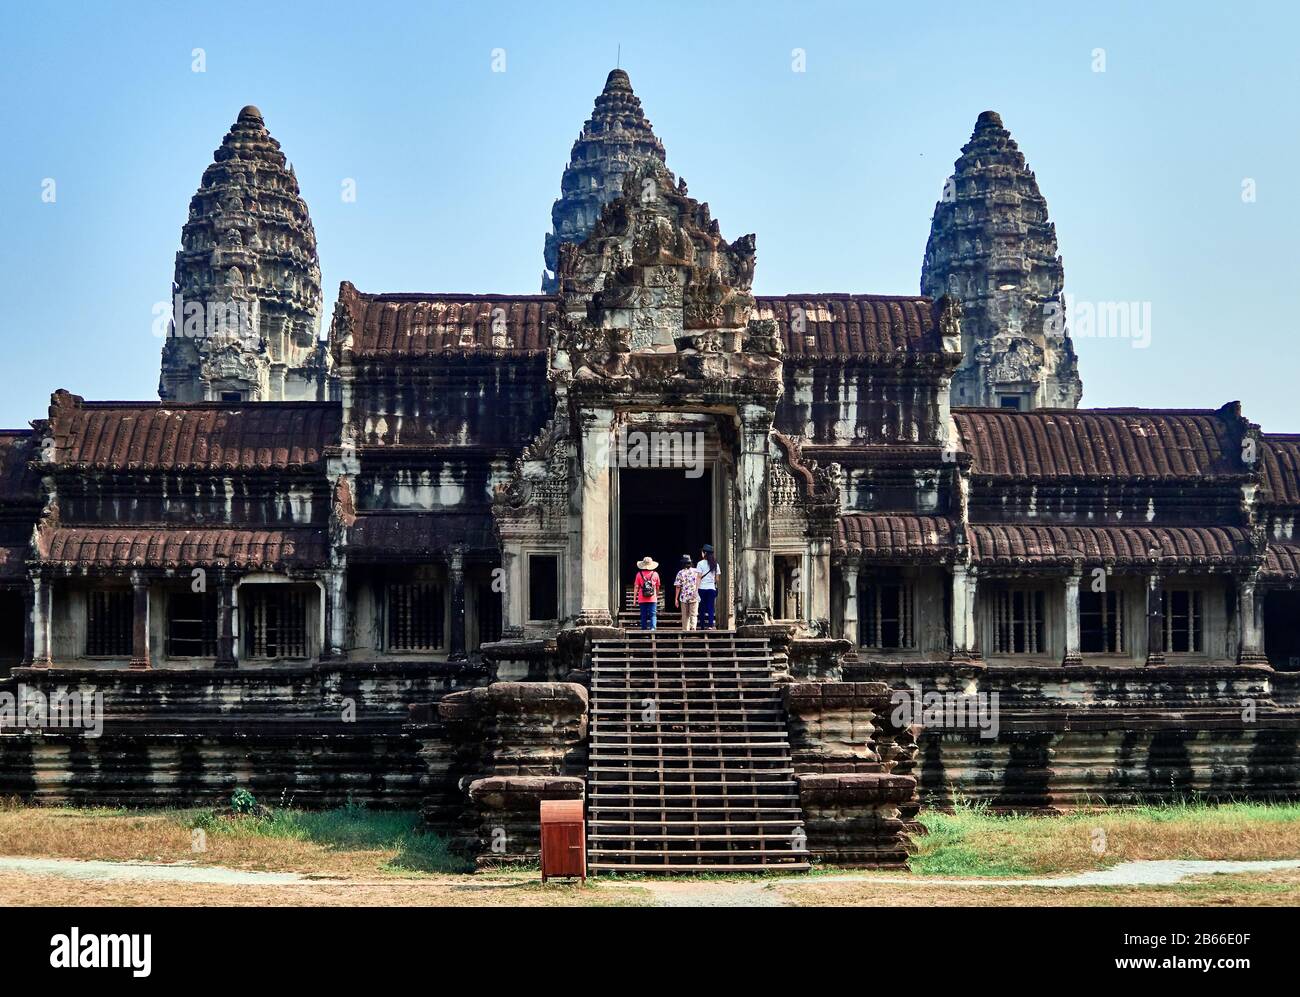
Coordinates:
(708, 782)
(763, 838)
(704, 723)
(732, 813)
(704, 739)
(680, 868)
(703, 693)
(731, 784)
(718, 855)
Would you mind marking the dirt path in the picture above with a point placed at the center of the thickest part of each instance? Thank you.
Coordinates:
(63, 881)
(1164, 872)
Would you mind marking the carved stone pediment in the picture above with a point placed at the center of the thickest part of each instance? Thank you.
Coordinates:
(655, 278)
(804, 489)
(535, 497)
(1011, 360)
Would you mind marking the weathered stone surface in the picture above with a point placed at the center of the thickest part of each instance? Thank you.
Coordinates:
(247, 282)
(508, 746)
(1091, 735)
(853, 765)
(992, 248)
(615, 138)
(507, 808)
(316, 736)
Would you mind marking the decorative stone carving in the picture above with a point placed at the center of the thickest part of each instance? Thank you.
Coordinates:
(656, 300)
(993, 248)
(247, 296)
(615, 138)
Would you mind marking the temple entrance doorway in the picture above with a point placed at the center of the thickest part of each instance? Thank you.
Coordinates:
(13, 626)
(1282, 630)
(663, 513)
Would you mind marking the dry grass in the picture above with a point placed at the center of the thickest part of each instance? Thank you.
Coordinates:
(330, 844)
(1273, 889)
(376, 858)
(513, 890)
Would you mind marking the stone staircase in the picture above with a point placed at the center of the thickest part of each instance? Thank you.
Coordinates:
(689, 761)
(667, 618)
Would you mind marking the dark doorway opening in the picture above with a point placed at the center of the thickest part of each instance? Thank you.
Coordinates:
(665, 514)
(1282, 630)
(13, 626)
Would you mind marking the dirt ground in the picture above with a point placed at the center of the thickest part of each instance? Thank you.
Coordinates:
(85, 857)
(525, 890)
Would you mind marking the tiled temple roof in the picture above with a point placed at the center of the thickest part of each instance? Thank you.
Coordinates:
(887, 536)
(1013, 544)
(257, 436)
(1281, 562)
(1281, 469)
(418, 325)
(853, 324)
(100, 547)
(1103, 443)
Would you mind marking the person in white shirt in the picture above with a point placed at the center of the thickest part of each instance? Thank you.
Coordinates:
(708, 569)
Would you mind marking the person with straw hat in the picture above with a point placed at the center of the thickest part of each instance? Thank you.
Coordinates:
(646, 587)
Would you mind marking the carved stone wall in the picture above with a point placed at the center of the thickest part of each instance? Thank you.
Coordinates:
(317, 736)
(853, 766)
(500, 751)
(1084, 736)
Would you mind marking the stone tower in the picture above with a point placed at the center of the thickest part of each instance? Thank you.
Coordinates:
(993, 248)
(246, 294)
(615, 138)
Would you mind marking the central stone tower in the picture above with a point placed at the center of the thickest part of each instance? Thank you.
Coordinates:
(615, 138)
(247, 295)
(993, 249)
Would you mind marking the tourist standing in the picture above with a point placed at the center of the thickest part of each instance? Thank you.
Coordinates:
(686, 592)
(647, 591)
(708, 572)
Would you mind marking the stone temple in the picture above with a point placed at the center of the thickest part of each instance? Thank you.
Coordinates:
(395, 565)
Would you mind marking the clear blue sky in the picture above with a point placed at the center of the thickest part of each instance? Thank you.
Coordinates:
(836, 169)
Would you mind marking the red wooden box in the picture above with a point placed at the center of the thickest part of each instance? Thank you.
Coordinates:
(564, 839)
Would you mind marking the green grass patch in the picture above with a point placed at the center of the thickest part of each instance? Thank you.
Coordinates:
(347, 828)
(971, 841)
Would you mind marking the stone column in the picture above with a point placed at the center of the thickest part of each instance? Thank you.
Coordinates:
(1155, 620)
(819, 584)
(140, 623)
(512, 597)
(754, 579)
(1250, 629)
(593, 561)
(456, 573)
(965, 642)
(40, 619)
(225, 623)
(336, 613)
(29, 608)
(850, 568)
(1073, 656)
